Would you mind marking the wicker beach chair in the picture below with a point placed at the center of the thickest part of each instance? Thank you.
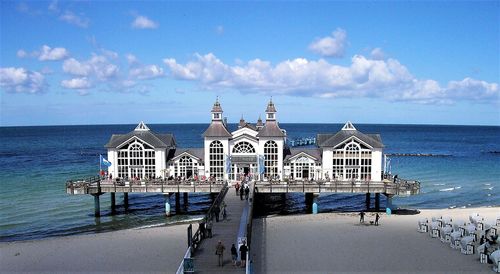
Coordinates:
(423, 225)
(434, 229)
(445, 234)
(495, 257)
(467, 245)
(455, 238)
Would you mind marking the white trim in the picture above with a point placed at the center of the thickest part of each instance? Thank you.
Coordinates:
(350, 139)
(182, 154)
(303, 153)
(137, 138)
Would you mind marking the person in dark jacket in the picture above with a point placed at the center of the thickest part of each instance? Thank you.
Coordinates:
(234, 254)
(243, 254)
(219, 251)
(217, 213)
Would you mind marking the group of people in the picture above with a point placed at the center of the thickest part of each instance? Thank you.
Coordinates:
(219, 251)
(362, 217)
(243, 189)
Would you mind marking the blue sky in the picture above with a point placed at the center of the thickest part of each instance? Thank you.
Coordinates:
(88, 62)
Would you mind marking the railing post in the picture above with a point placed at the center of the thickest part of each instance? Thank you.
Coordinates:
(161, 186)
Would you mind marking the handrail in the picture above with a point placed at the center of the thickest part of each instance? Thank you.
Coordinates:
(249, 228)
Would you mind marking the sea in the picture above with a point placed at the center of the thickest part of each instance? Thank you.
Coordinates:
(463, 171)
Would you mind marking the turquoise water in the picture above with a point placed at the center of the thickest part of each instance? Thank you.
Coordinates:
(37, 161)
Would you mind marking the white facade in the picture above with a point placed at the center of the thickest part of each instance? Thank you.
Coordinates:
(348, 155)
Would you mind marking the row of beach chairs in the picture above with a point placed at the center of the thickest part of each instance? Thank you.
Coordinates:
(473, 237)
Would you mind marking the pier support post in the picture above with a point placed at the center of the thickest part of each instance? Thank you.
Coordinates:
(315, 203)
(377, 201)
(113, 203)
(177, 202)
(367, 201)
(125, 200)
(388, 204)
(309, 202)
(167, 204)
(97, 206)
(185, 198)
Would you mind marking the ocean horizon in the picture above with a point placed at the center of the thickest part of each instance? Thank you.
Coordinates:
(462, 171)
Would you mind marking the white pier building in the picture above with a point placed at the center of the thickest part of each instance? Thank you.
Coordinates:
(348, 155)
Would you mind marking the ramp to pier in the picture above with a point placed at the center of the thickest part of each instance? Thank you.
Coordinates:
(228, 231)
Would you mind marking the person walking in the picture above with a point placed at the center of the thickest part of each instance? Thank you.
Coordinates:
(377, 217)
(209, 229)
(219, 251)
(237, 187)
(202, 229)
(247, 191)
(241, 192)
(362, 217)
(243, 254)
(224, 213)
(234, 254)
(217, 213)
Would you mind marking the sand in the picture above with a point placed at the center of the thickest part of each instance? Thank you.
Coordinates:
(150, 250)
(337, 243)
(323, 243)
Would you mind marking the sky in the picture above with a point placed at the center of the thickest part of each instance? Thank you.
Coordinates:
(114, 62)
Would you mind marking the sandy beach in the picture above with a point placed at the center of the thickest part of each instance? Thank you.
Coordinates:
(151, 250)
(323, 243)
(337, 243)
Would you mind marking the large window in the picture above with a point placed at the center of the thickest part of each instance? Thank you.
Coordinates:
(270, 159)
(243, 147)
(352, 162)
(187, 168)
(216, 160)
(302, 168)
(136, 160)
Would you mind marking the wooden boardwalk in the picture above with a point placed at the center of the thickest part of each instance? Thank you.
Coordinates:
(205, 260)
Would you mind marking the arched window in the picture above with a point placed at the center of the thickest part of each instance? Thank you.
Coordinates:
(270, 159)
(187, 167)
(216, 160)
(352, 153)
(136, 160)
(243, 147)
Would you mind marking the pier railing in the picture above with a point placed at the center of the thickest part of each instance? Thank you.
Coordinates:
(96, 185)
(391, 187)
(248, 232)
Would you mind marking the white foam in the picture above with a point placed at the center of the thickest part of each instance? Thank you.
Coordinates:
(458, 187)
(487, 184)
(452, 207)
(489, 188)
(447, 189)
(439, 184)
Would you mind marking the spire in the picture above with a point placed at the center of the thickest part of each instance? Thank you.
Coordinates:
(259, 124)
(270, 110)
(348, 126)
(242, 122)
(141, 127)
(216, 107)
(217, 111)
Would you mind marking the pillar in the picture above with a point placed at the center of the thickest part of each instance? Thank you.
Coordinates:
(125, 200)
(309, 202)
(388, 204)
(113, 203)
(185, 198)
(315, 203)
(377, 201)
(177, 202)
(97, 206)
(367, 201)
(167, 204)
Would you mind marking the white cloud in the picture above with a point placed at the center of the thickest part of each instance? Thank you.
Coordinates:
(146, 72)
(21, 80)
(377, 54)
(53, 6)
(52, 54)
(76, 83)
(21, 53)
(364, 77)
(97, 66)
(330, 46)
(131, 59)
(219, 30)
(71, 18)
(142, 22)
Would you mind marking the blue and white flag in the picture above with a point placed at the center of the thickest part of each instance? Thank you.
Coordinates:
(228, 164)
(104, 162)
(261, 164)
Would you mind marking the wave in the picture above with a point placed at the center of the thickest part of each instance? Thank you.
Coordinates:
(439, 184)
(489, 188)
(450, 189)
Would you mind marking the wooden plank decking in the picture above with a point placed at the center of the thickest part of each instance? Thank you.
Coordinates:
(205, 260)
